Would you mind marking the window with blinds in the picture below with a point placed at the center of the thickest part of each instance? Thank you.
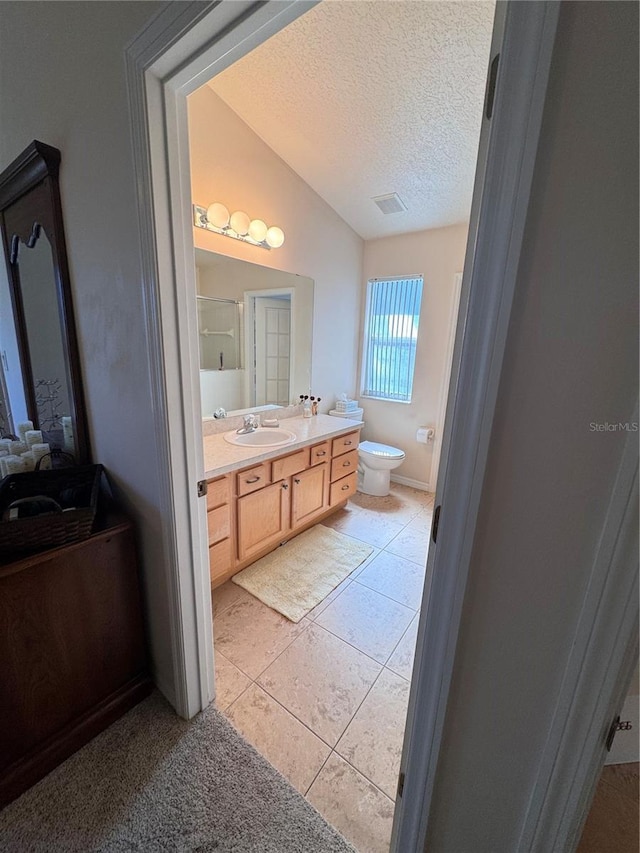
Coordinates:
(391, 337)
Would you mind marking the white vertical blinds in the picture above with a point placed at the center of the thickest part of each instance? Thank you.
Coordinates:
(391, 337)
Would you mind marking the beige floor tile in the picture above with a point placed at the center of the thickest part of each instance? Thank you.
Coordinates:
(225, 595)
(373, 740)
(292, 749)
(251, 635)
(396, 578)
(411, 543)
(230, 682)
(401, 661)
(362, 813)
(367, 526)
(422, 521)
(317, 610)
(367, 620)
(321, 680)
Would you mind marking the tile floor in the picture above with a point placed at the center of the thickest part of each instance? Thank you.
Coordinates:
(325, 700)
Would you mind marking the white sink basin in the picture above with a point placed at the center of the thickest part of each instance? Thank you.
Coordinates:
(261, 437)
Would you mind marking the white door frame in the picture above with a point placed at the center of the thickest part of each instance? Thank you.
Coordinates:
(182, 47)
(446, 379)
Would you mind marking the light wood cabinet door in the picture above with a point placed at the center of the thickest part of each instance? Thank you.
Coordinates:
(263, 519)
(309, 494)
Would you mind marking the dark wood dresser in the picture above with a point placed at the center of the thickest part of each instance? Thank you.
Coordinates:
(72, 651)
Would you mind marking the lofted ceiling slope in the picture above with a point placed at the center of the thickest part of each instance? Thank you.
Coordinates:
(369, 97)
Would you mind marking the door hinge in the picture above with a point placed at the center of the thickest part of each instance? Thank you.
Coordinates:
(202, 488)
(491, 85)
(612, 733)
(436, 522)
(400, 784)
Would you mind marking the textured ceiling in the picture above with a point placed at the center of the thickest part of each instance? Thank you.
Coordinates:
(368, 97)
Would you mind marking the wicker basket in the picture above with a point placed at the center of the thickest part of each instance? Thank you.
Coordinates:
(77, 486)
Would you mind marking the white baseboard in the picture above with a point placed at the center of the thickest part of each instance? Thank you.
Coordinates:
(407, 481)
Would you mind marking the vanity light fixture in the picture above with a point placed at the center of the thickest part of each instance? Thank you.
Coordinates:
(238, 225)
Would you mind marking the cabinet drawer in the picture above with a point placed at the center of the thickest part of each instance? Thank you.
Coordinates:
(219, 559)
(218, 524)
(289, 465)
(343, 489)
(320, 453)
(252, 479)
(217, 492)
(343, 465)
(345, 443)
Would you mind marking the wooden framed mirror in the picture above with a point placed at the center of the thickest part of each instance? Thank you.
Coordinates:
(40, 297)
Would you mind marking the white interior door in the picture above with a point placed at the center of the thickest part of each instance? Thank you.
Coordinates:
(272, 329)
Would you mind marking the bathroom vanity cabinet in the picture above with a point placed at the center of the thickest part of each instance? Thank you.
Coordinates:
(252, 511)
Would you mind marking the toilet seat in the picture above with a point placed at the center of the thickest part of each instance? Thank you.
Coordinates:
(383, 451)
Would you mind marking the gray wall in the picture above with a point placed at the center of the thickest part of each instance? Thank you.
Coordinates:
(571, 360)
(62, 81)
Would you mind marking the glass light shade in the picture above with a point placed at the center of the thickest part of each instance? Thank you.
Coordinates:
(240, 222)
(257, 230)
(218, 215)
(275, 237)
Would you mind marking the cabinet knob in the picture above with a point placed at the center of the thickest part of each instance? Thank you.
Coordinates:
(285, 485)
(296, 481)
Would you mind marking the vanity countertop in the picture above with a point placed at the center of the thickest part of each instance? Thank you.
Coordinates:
(220, 457)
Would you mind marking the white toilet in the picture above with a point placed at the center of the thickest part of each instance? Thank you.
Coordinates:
(376, 462)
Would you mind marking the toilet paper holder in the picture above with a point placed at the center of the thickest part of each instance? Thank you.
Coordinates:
(425, 435)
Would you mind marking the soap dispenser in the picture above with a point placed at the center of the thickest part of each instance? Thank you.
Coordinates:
(306, 408)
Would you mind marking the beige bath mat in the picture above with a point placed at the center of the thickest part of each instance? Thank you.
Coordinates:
(294, 578)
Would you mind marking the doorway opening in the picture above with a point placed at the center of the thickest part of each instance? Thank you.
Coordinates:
(175, 55)
(324, 694)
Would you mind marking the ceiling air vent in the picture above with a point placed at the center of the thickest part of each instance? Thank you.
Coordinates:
(390, 203)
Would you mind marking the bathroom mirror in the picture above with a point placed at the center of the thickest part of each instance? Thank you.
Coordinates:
(255, 327)
(43, 338)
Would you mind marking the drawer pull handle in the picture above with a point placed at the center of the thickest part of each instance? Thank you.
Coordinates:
(346, 464)
(347, 443)
(345, 488)
(252, 480)
(321, 453)
(296, 480)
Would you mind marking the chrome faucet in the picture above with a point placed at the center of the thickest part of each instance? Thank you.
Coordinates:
(249, 424)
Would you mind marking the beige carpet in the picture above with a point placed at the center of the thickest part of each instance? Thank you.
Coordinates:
(153, 783)
(294, 578)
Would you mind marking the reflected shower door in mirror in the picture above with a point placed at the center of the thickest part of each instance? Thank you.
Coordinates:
(255, 329)
(38, 346)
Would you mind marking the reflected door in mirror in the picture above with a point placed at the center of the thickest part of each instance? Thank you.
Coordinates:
(46, 354)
